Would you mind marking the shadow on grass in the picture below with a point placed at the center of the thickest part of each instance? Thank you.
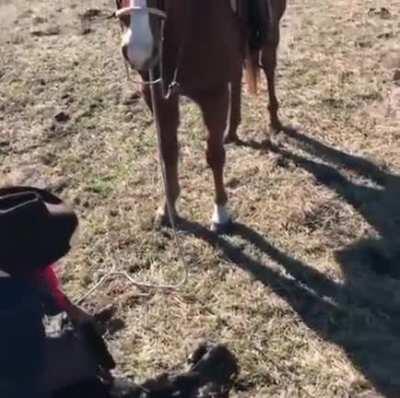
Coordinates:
(362, 314)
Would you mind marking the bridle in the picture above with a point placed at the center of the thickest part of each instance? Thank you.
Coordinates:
(172, 89)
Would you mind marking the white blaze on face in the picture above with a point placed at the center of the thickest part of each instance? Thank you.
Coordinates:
(139, 37)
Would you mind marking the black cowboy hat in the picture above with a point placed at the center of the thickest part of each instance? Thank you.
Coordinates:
(35, 229)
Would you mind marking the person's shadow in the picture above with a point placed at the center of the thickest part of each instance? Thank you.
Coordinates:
(360, 315)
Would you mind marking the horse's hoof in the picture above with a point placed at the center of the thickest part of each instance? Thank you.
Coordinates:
(277, 138)
(221, 220)
(222, 229)
(163, 220)
(232, 139)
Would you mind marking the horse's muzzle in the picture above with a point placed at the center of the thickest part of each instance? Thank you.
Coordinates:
(140, 46)
(140, 60)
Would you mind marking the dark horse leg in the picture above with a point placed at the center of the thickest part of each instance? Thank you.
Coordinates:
(168, 112)
(269, 62)
(214, 107)
(276, 9)
(234, 110)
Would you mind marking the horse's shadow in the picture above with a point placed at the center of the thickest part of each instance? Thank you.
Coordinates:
(374, 195)
(360, 315)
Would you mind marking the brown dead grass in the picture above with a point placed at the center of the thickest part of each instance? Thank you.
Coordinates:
(305, 291)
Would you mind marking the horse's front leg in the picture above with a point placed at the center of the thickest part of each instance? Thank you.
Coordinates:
(168, 114)
(214, 107)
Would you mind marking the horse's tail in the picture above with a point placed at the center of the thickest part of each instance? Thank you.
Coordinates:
(252, 71)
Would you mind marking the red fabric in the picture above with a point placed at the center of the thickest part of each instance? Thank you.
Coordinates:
(47, 278)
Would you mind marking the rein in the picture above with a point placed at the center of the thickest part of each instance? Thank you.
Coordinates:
(164, 94)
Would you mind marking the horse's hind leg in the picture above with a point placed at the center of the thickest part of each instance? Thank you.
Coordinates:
(234, 110)
(269, 62)
(168, 112)
(214, 107)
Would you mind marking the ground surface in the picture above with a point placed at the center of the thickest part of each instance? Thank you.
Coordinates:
(306, 290)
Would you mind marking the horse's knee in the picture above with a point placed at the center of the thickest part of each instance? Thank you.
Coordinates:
(169, 152)
(215, 155)
(268, 58)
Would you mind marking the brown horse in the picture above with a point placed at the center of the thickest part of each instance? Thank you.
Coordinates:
(264, 54)
(195, 48)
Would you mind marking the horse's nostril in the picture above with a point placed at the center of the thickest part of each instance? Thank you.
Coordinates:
(124, 50)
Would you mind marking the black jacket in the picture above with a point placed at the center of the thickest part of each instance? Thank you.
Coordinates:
(21, 339)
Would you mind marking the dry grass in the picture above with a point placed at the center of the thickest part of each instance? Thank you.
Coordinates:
(306, 290)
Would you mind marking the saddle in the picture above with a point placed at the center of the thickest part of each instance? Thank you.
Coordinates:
(256, 16)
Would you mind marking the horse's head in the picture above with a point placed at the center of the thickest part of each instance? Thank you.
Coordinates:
(142, 22)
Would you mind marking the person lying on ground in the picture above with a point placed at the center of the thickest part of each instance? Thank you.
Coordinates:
(36, 229)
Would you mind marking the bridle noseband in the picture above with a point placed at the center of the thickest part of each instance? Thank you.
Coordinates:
(130, 10)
